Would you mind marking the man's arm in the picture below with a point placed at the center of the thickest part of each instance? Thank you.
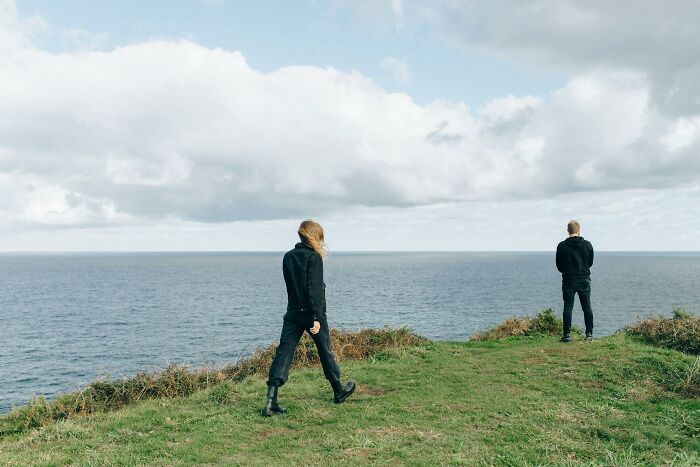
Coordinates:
(560, 259)
(590, 256)
(317, 296)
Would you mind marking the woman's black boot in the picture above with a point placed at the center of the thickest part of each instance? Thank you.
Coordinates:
(342, 391)
(268, 410)
(275, 407)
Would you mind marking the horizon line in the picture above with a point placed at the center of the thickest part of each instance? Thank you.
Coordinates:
(39, 252)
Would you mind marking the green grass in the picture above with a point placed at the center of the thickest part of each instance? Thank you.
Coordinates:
(509, 402)
(177, 381)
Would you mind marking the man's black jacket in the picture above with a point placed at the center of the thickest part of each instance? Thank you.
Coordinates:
(303, 274)
(574, 259)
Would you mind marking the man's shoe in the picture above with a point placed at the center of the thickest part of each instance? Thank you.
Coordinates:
(342, 391)
(566, 338)
(269, 409)
(589, 337)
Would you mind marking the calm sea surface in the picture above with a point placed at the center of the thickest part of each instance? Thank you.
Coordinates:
(67, 319)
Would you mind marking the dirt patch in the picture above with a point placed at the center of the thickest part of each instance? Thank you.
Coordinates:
(414, 408)
(644, 390)
(591, 384)
(365, 390)
(535, 361)
(569, 414)
(401, 432)
(458, 407)
(269, 432)
(362, 453)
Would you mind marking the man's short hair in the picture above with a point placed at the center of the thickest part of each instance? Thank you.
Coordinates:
(573, 227)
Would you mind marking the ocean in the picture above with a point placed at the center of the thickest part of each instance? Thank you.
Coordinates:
(69, 318)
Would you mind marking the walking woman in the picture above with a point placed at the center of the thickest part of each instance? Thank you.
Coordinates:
(306, 311)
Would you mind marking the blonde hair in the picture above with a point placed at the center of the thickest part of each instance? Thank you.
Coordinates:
(573, 227)
(311, 233)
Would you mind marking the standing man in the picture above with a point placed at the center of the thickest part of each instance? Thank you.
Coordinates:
(574, 260)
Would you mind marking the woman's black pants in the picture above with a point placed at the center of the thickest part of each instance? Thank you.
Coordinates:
(292, 331)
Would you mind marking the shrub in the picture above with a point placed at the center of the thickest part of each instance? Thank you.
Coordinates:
(680, 332)
(543, 323)
(680, 313)
(178, 381)
(690, 381)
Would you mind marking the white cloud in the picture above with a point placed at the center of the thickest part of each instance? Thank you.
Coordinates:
(660, 40)
(376, 10)
(625, 220)
(30, 200)
(171, 131)
(684, 133)
(398, 67)
(507, 108)
(85, 40)
(12, 31)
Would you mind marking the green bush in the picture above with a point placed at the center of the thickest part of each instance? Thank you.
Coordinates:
(680, 313)
(543, 323)
(680, 332)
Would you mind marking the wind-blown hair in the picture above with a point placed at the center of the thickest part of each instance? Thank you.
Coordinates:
(311, 233)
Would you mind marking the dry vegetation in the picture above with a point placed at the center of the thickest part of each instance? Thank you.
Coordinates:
(543, 323)
(178, 381)
(680, 332)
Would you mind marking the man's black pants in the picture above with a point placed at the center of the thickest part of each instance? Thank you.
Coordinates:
(292, 330)
(583, 289)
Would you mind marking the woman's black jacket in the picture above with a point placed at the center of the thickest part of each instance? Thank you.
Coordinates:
(303, 275)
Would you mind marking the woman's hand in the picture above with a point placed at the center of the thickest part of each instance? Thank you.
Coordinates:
(315, 328)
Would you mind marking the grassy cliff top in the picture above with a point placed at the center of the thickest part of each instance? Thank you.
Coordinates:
(531, 400)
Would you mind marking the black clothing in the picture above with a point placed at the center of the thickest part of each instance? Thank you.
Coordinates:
(574, 259)
(583, 289)
(271, 406)
(306, 292)
(306, 303)
(292, 331)
(342, 391)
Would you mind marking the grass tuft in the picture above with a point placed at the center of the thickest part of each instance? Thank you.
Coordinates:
(690, 381)
(179, 381)
(680, 332)
(543, 323)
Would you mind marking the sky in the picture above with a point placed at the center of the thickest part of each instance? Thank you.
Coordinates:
(397, 124)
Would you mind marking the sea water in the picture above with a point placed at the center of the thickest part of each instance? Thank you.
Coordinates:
(69, 318)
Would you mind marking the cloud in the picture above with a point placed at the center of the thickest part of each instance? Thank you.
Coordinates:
(660, 40)
(375, 10)
(12, 32)
(399, 69)
(624, 220)
(85, 40)
(30, 200)
(442, 135)
(167, 131)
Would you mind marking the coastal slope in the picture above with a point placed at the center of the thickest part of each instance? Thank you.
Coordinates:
(517, 401)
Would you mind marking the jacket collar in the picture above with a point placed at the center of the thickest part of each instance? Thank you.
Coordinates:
(302, 245)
